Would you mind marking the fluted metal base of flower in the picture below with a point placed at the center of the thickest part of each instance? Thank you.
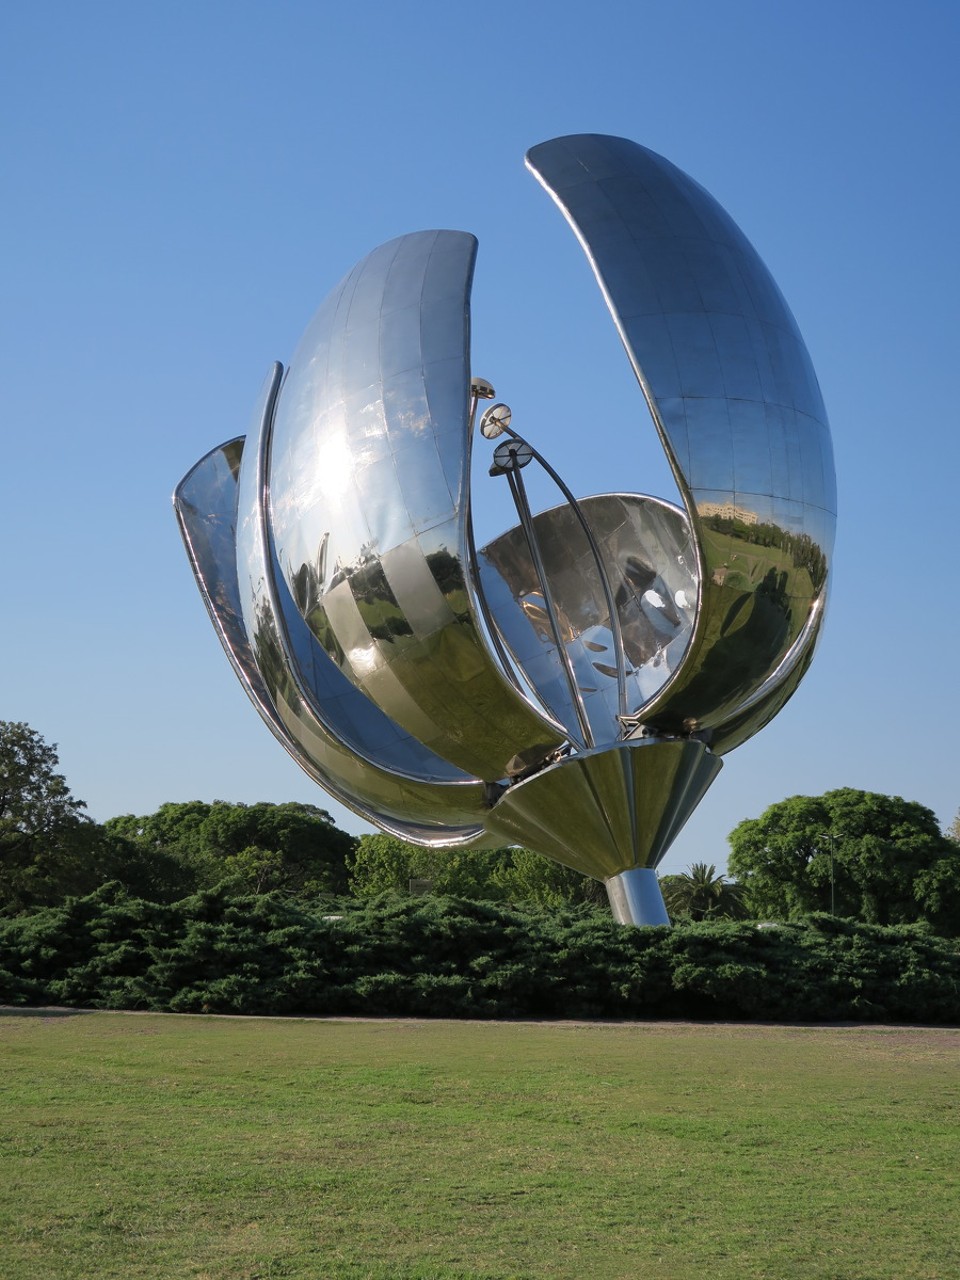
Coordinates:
(635, 897)
(609, 811)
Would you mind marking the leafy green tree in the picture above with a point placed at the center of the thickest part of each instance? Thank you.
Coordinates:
(50, 850)
(298, 847)
(382, 863)
(702, 894)
(34, 798)
(175, 829)
(530, 877)
(44, 833)
(256, 870)
(937, 892)
(858, 854)
(294, 848)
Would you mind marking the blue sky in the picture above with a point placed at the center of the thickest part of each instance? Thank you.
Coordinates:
(184, 182)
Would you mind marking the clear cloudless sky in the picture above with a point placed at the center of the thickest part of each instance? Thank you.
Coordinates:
(183, 182)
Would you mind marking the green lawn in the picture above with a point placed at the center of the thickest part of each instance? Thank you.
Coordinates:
(186, 1147)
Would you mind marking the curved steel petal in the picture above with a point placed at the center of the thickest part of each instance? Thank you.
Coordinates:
(368, 484)
(774, 693)
(650, 565)
(345, 712)
(206, 503)
(734, 397)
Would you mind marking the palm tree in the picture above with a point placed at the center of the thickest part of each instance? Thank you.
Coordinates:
(701, 894)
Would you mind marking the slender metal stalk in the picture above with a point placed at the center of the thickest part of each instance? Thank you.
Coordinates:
(519, 493)
(493, 631)
(615, 629)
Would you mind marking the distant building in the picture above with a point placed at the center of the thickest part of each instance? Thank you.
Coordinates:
(727, 511)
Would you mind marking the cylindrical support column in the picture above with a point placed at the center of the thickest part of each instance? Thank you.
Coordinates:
(635, 897)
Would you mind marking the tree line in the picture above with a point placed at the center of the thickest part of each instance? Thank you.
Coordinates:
(853, 854)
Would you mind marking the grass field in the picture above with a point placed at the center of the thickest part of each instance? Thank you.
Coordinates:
(147, 1146)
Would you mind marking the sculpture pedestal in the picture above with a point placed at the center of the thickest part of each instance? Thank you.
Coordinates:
(635, 897)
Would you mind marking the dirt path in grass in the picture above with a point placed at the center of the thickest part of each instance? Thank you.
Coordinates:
(907, 1033)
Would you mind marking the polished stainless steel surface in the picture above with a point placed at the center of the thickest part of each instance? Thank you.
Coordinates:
(607, 810)
(732, 392)
(635, 897)
(573, 684)
(511, 457)
(649, 563)
(603, 577)
(368, 482)
(247, 621)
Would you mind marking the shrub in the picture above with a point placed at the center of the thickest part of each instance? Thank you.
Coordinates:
(217, 952)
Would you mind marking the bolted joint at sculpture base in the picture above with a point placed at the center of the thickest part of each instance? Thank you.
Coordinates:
(573, 684)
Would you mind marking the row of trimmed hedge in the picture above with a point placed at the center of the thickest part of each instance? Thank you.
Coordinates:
(450, 957)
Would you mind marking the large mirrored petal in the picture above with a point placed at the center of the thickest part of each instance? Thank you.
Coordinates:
(361, 481)
(206, 503)
(732, 392)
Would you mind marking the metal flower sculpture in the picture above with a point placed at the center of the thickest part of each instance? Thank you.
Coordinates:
(573, 685)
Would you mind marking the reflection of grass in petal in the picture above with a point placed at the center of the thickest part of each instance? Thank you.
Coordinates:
(152, 1147)
(756, 604)
(385, 622)
(319, 624)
